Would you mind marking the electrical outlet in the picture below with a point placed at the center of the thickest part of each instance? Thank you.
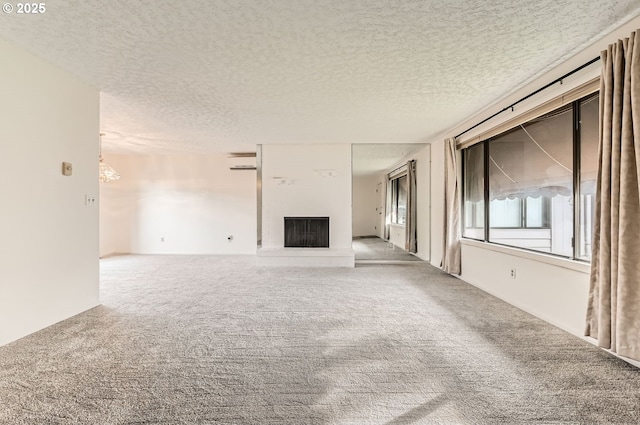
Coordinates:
(89, 200)
(67, 169)
(512, 273)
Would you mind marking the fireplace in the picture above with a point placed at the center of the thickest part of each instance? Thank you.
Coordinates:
(306, 232)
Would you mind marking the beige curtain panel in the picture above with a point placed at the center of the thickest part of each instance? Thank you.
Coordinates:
(452, 233)
(387, 207)
(613, 312)
(411, 231)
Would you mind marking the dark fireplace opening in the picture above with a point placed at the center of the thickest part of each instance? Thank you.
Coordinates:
(306, 232)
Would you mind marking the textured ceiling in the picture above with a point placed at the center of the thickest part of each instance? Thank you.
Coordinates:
(224, 75)
(371, 158)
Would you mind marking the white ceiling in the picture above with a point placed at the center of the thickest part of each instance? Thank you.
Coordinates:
(371, 158)
(224, 75)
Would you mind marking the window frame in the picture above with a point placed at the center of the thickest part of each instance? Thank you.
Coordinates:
(576, 181)
(394, 198)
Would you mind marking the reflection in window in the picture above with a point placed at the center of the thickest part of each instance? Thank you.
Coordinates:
(520, 213)
(530, 173)
(505, 213)
(532, 161)
(588, 170)
(399, 200)
(537, 212)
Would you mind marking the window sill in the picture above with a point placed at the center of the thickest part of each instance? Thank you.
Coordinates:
(396, 225)
(540, 257)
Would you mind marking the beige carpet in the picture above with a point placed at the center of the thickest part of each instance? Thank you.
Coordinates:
(217, 340)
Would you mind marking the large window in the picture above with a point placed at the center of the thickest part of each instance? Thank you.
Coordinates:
(399, 200)
(541, 181)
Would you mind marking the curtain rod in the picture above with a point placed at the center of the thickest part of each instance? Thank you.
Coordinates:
(559, 79)
(399, 167)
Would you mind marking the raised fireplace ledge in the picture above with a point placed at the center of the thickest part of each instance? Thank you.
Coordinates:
(306, 257)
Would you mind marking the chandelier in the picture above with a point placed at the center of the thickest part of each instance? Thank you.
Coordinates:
(106, 172)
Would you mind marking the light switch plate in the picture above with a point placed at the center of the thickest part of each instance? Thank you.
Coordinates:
(67, 169)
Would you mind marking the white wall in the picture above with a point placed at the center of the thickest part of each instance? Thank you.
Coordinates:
(397, 235)
(437, 201)
(366, 218)
(193, 202)
(49, 247)
(306, 180)
(423, 184)
(555, 291)
(118, 209)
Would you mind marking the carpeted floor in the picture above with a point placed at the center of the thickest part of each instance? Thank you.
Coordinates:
(217, 340)
(376, 249)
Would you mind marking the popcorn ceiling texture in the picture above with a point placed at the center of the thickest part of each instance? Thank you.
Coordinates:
(371, 158)
(224, 75)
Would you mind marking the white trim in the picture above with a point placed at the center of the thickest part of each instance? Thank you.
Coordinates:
(305, 257)
(566, 263)
(398, 172)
